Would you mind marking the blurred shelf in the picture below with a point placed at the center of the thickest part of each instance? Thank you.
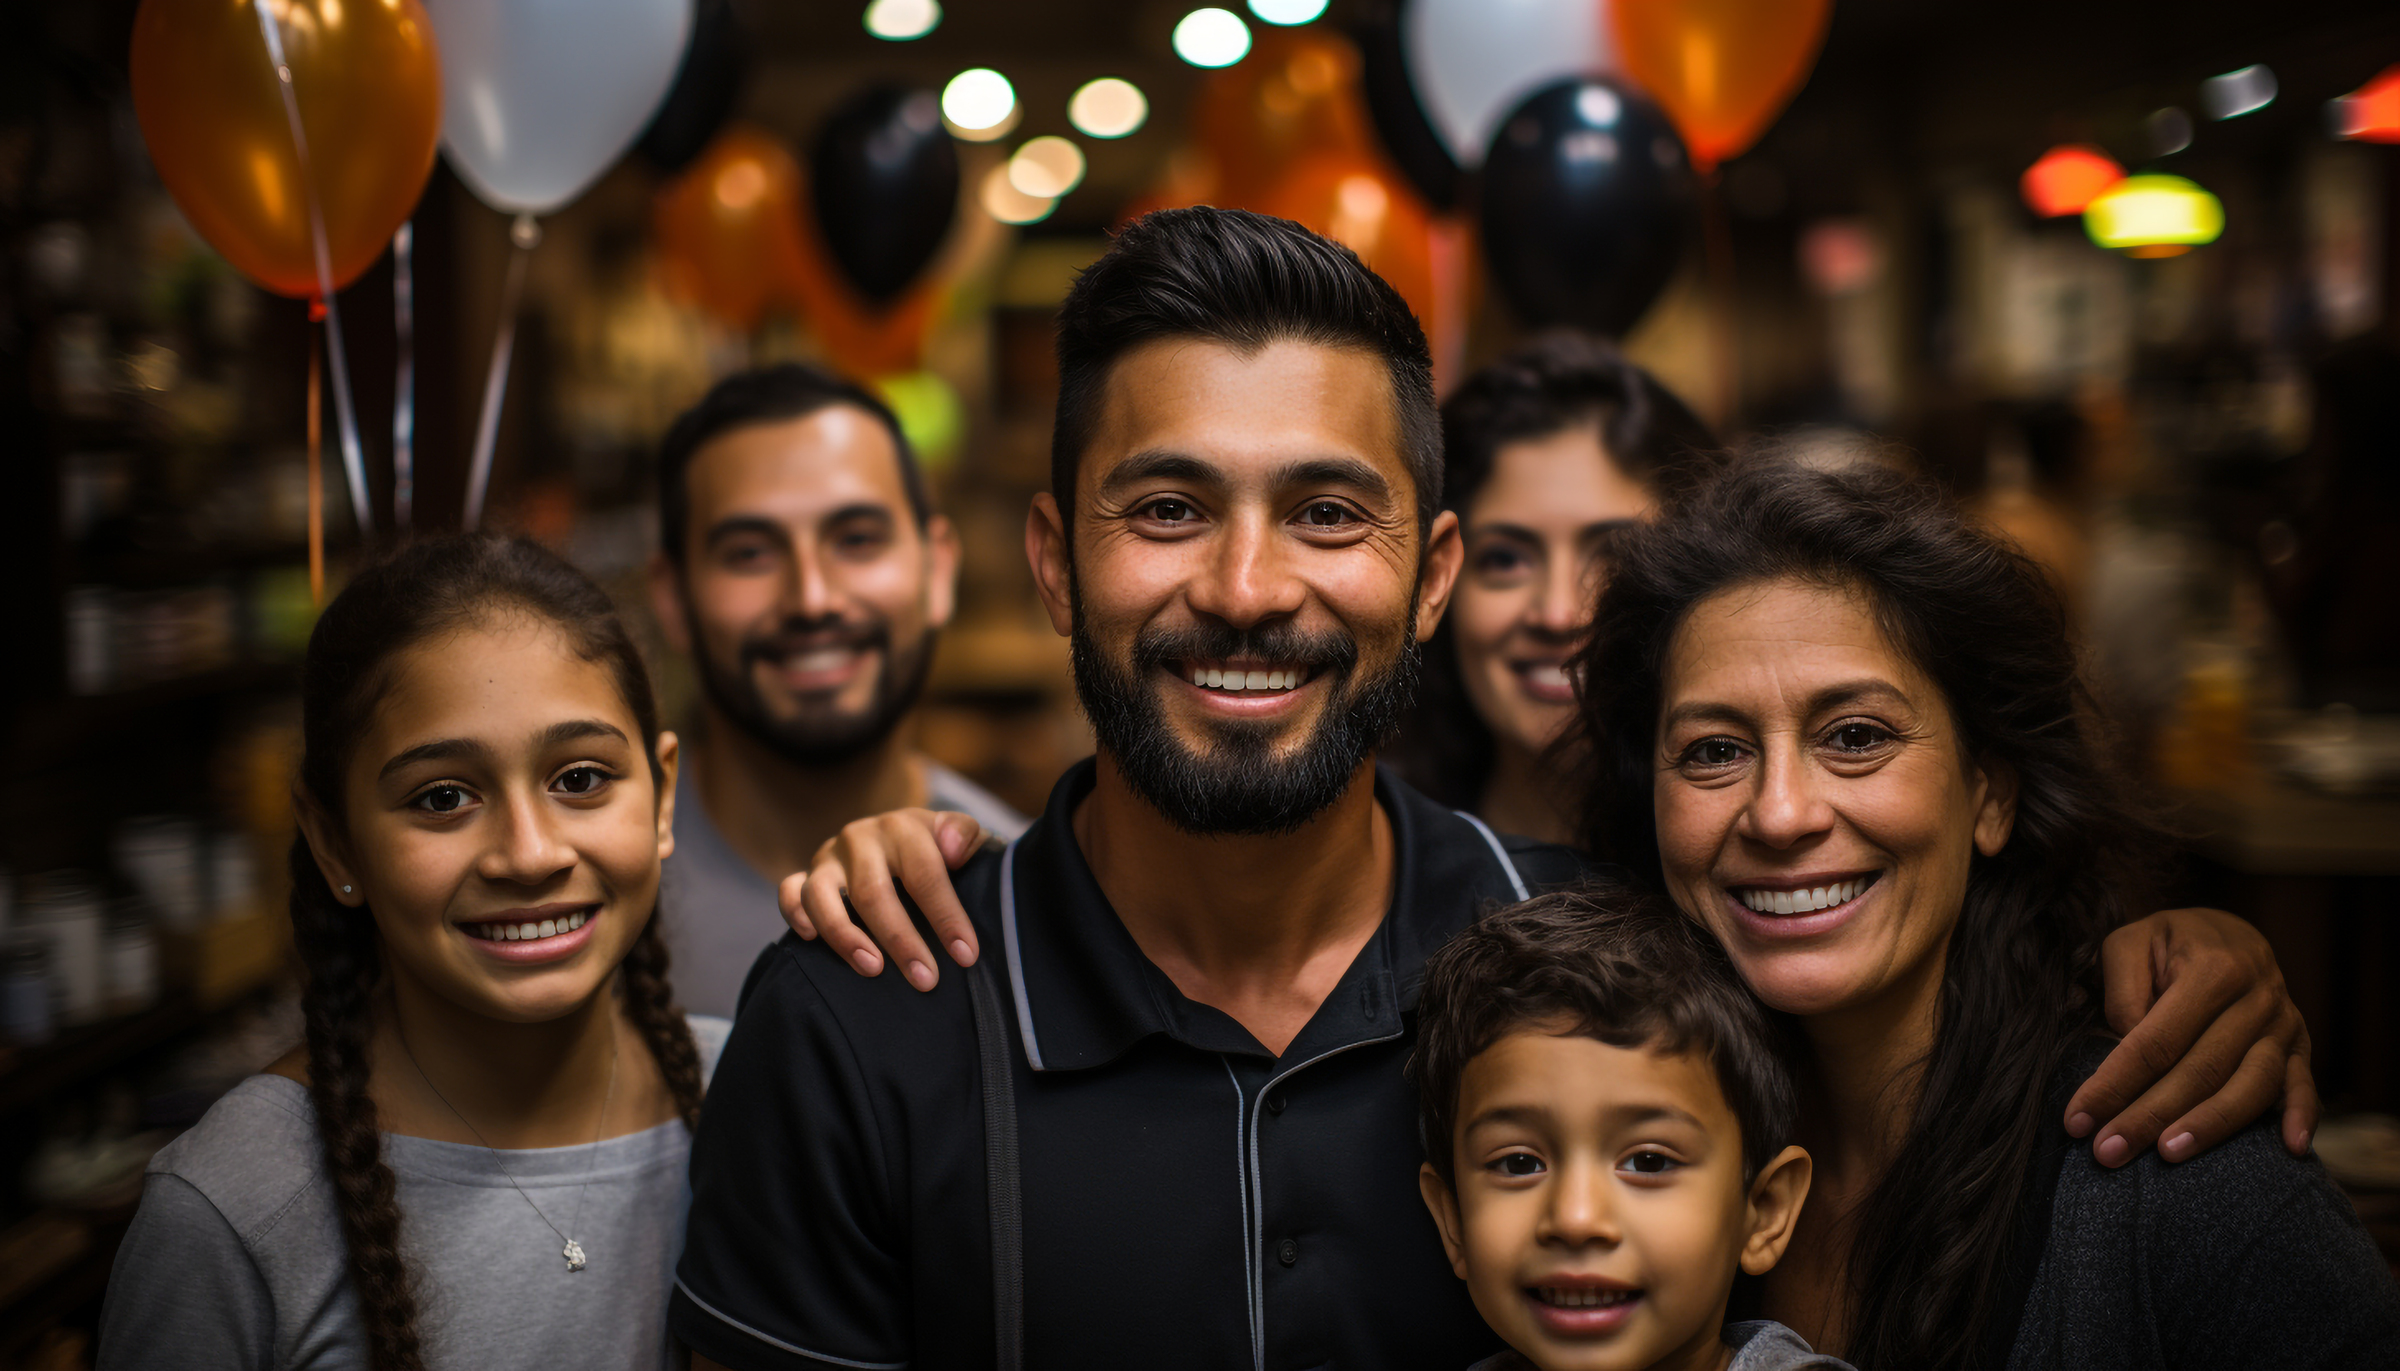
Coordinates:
(60, 721)
(32, 1075)
(2269, 826)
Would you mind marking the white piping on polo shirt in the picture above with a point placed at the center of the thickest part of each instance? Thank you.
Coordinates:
(828, 1358)
(1245, 1113)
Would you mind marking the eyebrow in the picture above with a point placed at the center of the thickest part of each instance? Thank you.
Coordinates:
(734, 525)
(1831, 697)
(1162, 465)
(1526, 1115)
(448, 749)
(1589, 533)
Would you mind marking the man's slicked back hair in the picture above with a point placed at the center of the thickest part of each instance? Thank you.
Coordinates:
(767, 395)
(1244, 281)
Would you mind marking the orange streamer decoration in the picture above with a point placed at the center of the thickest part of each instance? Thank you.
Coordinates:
(211, 109)
(1723, 69)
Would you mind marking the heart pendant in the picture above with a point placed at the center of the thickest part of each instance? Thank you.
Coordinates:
(574, 1255)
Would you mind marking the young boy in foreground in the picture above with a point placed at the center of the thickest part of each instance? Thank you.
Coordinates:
(1606, 1121)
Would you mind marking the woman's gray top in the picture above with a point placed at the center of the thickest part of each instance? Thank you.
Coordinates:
(236, 1258)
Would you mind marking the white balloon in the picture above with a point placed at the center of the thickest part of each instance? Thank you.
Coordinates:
(1472, 61)
(541, 96)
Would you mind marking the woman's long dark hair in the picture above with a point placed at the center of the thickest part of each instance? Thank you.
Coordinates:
(1931, 1240)
(421, 592)
(1559, 381)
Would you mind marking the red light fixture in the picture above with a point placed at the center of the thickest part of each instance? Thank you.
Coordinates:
(2371, 114)
(2068, 178)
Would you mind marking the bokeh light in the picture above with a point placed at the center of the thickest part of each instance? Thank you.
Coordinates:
(1212, 38)
(1108, 108)
(2067, 178)
(2154, 215)
(900, 20)
(1288, 11)
(979, 104)
(2371, 114)
(1046, 167)
(1004, 202)
(2238, 92)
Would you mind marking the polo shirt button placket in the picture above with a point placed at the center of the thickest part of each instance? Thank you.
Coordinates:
(1287, 1252)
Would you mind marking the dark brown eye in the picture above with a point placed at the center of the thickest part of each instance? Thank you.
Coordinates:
(582, 780)
(442, 799)
(1326, 514)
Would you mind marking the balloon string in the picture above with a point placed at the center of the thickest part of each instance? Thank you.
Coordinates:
(525, 233)
(404, 382)
(316, 466)
(1724, 331)
(354, 464)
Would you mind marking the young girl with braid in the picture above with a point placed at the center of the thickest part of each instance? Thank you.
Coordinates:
(477, 1157)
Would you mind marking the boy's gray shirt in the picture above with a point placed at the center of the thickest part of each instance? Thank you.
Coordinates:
(1758, 1345)
(236, 1257)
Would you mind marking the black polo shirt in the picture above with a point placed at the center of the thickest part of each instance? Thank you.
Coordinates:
(1190, 1199)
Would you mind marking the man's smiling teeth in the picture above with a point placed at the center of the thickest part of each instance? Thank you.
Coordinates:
(1211, 678)
(819, 659)
(1581, 1297)
(525, 932)
(1803, 901)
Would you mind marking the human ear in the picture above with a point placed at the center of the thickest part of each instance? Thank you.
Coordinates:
(1774, 1209)
(670, 756)
(1437, 571)
(325, 846)
(1995, 807)
(1046, 552)
(666, 603)
(941, 573)
(1444, 1205)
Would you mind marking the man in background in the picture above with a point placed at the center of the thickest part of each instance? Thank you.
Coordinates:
(805, 573)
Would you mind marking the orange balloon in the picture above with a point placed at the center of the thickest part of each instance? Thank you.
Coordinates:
(1296, 95)
(1722, 68)
(725, 227)
(369, 87)
(1367, 207)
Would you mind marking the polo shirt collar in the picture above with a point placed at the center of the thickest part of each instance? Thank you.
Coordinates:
(1086, 994)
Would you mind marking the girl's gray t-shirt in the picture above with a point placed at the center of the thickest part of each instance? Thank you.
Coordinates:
(236, 1257)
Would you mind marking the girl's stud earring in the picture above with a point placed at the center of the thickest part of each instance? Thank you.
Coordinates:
(345, 890)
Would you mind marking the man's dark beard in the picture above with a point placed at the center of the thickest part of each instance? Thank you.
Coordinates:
(825, 739)
(1240, 785)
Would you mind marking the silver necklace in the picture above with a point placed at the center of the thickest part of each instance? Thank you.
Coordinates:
(573, 1251)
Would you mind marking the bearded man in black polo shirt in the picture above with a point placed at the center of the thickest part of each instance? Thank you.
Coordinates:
(1210, 942)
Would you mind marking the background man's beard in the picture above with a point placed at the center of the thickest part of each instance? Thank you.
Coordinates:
(824, 738)
(1241, 785)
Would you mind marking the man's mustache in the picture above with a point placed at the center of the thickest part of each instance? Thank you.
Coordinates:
(1328, 650)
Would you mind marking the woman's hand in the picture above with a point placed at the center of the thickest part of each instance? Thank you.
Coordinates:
(847, 896)
(2211, 1041)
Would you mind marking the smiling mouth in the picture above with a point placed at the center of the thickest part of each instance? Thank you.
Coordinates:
(1809, 900)
(1581, 1296)
(524, 931)
(1242, 680)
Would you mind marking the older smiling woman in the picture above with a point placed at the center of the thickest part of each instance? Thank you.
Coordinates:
(1845, 731)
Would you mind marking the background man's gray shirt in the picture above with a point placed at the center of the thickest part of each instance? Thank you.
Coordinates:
(717, 913)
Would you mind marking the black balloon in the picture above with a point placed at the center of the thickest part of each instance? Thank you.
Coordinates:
(707, 86)
(1399, 120)
(883, 177)
(1587, 205)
